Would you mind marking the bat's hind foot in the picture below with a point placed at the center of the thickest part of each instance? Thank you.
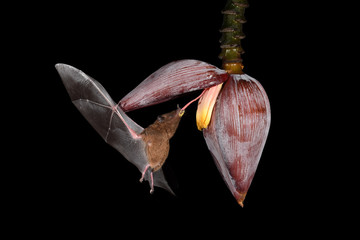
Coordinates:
(143, 173)
(151, 178)
(152, 183)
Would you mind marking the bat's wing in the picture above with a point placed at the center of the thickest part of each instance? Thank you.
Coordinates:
(104, 115)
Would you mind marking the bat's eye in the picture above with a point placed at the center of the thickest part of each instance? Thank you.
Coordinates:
(160, 118)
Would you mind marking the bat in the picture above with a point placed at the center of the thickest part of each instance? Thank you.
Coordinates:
(146, 148)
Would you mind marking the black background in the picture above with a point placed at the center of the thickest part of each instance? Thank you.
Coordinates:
(72, 180)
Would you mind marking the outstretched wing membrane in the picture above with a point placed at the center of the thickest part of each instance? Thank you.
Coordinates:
(105, 116)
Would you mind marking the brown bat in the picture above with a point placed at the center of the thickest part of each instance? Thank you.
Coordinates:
(157, 136)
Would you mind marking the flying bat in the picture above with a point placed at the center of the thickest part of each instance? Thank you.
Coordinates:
(146, 148)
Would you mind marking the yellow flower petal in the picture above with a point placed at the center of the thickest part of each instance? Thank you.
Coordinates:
(206, 105)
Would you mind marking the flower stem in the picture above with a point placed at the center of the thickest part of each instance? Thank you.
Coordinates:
(232, 33)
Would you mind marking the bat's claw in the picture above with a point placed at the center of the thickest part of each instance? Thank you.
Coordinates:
(151, 191)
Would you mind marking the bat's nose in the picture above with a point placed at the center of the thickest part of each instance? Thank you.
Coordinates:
(179, 112)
